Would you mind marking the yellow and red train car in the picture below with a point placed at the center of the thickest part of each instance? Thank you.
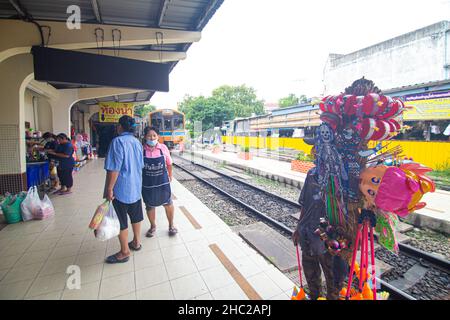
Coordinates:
(171, 126)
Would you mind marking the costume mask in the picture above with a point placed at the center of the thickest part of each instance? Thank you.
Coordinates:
(370, 182)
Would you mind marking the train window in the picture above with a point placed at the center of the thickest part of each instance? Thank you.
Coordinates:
(167, 123)
(178, 122)
(157, 123)
(286, 132)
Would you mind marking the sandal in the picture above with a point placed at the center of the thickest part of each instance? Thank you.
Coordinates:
(61, 193)
(133, 247)
(113, 259)
(173, 231)
(58, 191)
(151, 232)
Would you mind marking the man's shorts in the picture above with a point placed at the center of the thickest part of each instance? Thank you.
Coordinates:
(147, 207)
(134, 210)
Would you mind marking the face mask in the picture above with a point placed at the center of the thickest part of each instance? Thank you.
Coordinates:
(152, 143)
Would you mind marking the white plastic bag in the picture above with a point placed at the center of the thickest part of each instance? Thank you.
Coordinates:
(109, 227)
(45, 209)
(30, 204)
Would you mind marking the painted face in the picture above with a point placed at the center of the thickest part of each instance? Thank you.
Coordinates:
(370, 182)
(325, 133)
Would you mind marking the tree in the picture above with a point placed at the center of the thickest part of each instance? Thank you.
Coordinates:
(143, 110)
(210, 111)
(292, 100)
(241, 99)
(226, 103)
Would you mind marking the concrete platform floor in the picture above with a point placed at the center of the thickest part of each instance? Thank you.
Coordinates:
(206, 260)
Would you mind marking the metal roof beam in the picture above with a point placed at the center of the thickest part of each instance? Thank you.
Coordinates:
(96, 10)
(162, 11)
(206, 14)
(103, 92)
(17, 37)
(19, 8)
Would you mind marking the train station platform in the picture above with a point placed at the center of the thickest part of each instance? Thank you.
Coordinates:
(436, 215)
(205, 260)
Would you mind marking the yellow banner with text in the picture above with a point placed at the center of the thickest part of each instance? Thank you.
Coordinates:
(428, 109)
(112, 111)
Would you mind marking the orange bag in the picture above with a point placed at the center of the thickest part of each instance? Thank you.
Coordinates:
(98, 215)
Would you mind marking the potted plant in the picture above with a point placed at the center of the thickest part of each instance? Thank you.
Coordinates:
(216, 148)
(302, 163)
(245, 153)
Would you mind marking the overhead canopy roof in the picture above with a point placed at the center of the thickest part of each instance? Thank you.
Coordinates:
(186, 15)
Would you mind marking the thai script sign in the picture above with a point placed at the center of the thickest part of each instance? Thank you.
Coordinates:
(428, 106)
(112, 111)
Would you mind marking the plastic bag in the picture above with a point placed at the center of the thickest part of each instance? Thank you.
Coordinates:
(101, 211)
(54, 171)
(11, 208)
(30, 203)
(110, 225)
(44, 210)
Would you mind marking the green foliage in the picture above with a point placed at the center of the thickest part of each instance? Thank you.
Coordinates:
(241, 99)
(143, 110)
(292, 100)
(245, 149)
(225, 103)
(302, 156)
(441, 175)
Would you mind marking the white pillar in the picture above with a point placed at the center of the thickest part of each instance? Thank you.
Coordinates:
(61, 106)
(15, 74)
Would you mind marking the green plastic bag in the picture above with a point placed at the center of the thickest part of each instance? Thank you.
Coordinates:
(11, 208)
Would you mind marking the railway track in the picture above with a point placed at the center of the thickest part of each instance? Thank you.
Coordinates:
(276, 211)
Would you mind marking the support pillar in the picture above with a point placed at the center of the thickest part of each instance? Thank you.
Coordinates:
(15, 74)
(61, 106)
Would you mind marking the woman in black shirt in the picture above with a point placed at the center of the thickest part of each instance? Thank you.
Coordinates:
(64, 155)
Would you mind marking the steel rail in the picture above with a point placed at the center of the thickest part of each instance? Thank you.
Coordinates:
(236, 200)
(292, 203)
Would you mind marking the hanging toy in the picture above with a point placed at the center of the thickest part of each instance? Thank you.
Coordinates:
(367, 292)
(366, 224)
(401, 189)
(299, 294)
(371, 104)
(386, 231)
(383, 295)
(369, 152)
(396, 189)
(332, 237)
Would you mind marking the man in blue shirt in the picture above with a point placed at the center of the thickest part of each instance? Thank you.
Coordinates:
(124, 163)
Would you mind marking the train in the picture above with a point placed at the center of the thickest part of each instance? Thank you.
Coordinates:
(295, 121)
(171, 126)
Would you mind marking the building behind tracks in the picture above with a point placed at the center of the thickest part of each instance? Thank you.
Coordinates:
(420, 56)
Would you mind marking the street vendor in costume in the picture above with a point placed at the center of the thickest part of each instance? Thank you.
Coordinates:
(364, 184)
(315, 257)
(156, 178)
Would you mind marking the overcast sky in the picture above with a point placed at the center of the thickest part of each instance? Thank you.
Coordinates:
(280, 46)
